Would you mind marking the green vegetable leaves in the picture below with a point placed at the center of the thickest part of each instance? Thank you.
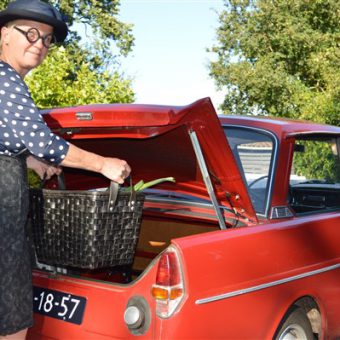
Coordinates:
(139, 186)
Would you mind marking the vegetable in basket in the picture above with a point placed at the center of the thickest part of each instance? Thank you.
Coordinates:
(139, 186)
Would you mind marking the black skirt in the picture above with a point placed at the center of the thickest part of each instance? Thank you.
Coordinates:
(16, 311)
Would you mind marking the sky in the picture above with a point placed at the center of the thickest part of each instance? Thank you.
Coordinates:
(169, 62)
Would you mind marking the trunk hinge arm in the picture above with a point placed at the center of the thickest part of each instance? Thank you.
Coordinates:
(206, 178)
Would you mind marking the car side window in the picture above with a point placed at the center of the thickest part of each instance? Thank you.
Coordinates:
(253, 152)
(315, 175)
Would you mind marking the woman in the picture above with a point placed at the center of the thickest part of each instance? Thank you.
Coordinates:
(28, 28)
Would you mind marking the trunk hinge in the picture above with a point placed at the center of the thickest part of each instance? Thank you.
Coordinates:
(206, 178)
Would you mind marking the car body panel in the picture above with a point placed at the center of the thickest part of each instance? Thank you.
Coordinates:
(290, 268)
(239, 282)
(103, 318)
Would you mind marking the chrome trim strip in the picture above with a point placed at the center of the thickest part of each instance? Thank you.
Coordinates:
(275, 213)
(266, 285)
(176, 201)
(306, 133)
(206, 178)
(84, 115)
(182, 203)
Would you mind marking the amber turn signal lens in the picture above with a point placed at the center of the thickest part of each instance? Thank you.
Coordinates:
(165, 294)
(176, 293)
(160, 293)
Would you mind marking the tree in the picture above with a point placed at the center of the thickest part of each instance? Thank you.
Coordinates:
(69, 79)
(84, 70)
(280, 57)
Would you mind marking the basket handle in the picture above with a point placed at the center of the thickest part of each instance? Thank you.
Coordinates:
(114, 188)
(61, 181)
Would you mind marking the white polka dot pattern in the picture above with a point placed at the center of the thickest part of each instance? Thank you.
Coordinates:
(21, 124)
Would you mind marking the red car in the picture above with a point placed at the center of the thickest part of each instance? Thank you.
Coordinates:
(244, 245)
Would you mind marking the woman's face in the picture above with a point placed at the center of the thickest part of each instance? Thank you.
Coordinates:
(17, 51)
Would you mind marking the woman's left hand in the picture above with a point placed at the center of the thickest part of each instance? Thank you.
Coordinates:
(42, 168)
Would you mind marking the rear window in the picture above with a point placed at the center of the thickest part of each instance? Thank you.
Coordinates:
(253, 151)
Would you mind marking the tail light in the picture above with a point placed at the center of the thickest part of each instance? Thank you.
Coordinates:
(168, 291)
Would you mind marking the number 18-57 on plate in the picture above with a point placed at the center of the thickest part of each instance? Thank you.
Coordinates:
(59, 305)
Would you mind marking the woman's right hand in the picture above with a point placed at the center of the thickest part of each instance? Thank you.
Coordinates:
(115, 169)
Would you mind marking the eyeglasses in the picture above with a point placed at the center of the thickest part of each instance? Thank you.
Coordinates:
(33, 35)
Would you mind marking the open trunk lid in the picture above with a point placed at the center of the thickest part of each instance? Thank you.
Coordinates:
(157, 141)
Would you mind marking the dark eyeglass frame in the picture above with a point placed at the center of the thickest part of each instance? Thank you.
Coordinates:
(38, 36)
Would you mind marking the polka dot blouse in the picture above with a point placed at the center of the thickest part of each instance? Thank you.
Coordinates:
(21, 124)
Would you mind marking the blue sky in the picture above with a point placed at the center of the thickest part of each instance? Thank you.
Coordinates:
(169, 61)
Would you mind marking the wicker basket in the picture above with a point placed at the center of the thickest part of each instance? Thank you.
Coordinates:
(85, 229)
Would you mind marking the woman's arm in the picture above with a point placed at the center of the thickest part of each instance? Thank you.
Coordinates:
(113, 168)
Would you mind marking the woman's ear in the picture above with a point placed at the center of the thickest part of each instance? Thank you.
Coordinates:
(5, 34)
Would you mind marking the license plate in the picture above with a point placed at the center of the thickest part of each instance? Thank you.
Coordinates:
(59, 305)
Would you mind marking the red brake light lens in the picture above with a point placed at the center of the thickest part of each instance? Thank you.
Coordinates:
(168, 271)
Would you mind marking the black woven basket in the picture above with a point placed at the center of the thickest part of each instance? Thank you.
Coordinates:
(86, 229)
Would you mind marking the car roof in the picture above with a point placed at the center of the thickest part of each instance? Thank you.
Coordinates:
(282, 127)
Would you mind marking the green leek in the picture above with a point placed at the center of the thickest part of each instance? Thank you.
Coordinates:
(139, 186)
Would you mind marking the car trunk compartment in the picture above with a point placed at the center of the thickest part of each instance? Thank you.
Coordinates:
(168, 213)
(156, 234)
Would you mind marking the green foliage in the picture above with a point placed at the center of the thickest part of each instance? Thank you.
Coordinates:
(280, 58)
(66, 78)
(101, 17)
(33, 179)
(317, 162)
